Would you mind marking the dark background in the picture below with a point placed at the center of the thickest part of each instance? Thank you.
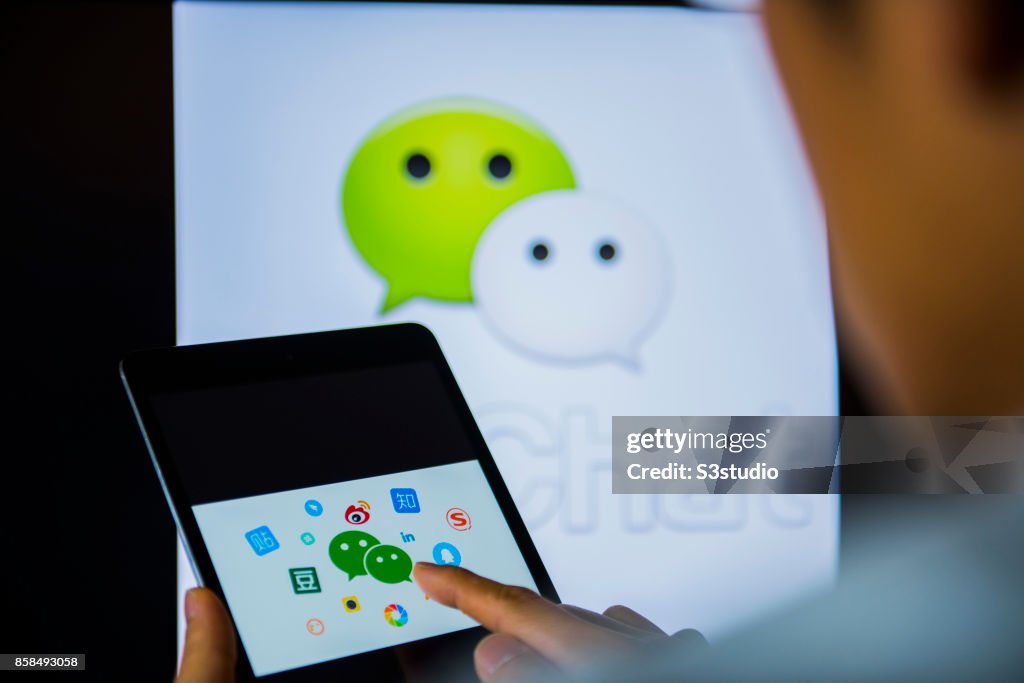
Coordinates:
(88, 207)
(88, 544)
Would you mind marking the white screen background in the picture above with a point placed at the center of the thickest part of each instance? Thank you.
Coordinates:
(675, 112)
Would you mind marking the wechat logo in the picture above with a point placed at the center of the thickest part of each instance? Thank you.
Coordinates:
(468, 201)
(358, 553)
(566, 276)
(425, 184)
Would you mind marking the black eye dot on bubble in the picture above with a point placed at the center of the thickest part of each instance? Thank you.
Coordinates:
(607, 251)
(539, 252)
(418, 166)
(499, 166)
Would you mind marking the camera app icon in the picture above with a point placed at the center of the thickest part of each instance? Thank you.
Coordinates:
(351, 604)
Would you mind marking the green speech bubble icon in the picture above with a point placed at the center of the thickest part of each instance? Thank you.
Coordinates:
(389, 564)
(348, 549)
(423, 186)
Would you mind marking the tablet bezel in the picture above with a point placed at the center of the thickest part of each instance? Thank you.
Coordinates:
(206, 366)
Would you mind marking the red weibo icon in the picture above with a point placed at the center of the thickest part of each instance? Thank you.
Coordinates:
(358, 513)
(458, 519)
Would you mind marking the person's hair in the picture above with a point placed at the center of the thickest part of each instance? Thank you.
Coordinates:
(999, 60)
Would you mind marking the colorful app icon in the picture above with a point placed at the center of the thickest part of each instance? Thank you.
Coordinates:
(307, 538)
(396, 615)
(358, 513)
(425, 183)
(405, 500)
(304, 580)
(458, 519)
(315, 627)
(351, 604)
(348, 551)
(446, 553)
(389, 564)
(407, 538)
(314, 508)
(262, 540)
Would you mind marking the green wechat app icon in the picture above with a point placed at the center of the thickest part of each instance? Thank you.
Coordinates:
(425, 184)
(358, 553)
(348, 551)
(389, 564)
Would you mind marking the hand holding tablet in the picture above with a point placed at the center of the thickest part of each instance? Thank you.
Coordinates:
(309, 473)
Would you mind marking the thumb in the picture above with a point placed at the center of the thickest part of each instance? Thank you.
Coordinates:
(210, 652)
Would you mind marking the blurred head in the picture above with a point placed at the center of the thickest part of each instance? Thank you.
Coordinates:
(912, 114)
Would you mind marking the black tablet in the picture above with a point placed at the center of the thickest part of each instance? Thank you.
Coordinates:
(307, 474)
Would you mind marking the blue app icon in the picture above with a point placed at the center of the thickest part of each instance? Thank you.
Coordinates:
(262, 540)
(446, 553)
(405, 500)
(314, 508)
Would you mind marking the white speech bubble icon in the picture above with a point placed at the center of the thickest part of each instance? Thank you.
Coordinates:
(568, 277)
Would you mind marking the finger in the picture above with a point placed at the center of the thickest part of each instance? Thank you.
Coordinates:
(606, 622)
(556, 634)
(504, 659)
(625, 615)
(690, 638)
(209, 655)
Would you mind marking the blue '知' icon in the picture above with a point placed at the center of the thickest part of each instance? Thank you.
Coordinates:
(262, 540)
(405, 500)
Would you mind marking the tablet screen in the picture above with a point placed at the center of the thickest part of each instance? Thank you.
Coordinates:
(694, 280)
(321, 573)
(314, 497)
